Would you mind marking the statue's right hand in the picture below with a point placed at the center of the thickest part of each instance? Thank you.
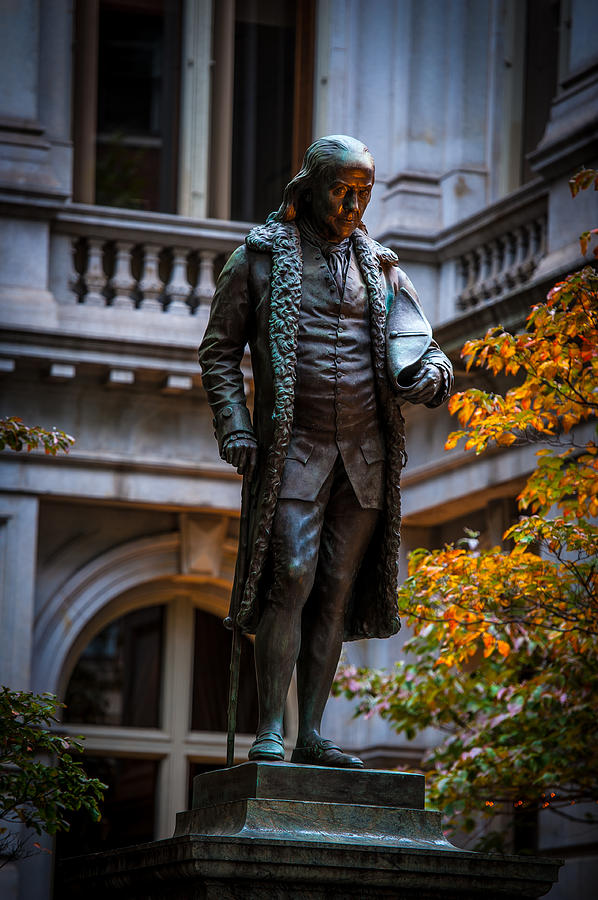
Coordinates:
(241, 452)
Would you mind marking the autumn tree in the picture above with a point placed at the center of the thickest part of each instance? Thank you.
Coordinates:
(504, 653)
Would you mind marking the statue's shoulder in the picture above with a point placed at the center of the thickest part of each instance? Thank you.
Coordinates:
(272, 236)
(384, 256)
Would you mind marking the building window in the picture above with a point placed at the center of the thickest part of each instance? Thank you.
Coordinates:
(128, 810)
(263, 105)
(117, 678)
(149, 695)
(126, 103)
(212, 651)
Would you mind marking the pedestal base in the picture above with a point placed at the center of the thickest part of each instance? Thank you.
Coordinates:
(268, 831)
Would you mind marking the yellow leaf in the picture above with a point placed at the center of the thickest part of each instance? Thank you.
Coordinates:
(488, 644)
(505, 439)
(452, 440)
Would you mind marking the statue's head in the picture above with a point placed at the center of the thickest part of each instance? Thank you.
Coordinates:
(332, 189)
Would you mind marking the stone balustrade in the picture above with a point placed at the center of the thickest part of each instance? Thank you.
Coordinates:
(501, 264)
(149, 262)
(156, 263)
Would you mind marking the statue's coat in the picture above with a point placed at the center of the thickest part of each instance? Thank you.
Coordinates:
(257, 300)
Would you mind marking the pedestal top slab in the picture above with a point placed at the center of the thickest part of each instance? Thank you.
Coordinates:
(287, 781)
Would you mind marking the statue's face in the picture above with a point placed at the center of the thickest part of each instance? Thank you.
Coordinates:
(339, 198)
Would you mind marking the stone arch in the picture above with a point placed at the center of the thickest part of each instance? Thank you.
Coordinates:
(140, 572)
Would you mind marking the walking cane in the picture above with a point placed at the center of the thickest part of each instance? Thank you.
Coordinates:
(231, 620)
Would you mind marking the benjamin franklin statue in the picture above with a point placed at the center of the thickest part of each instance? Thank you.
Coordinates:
(310, 293)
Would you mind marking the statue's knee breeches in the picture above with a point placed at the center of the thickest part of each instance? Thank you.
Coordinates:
(294, 549)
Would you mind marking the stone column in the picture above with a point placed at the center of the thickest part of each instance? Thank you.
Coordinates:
(34, 149)
(178, 669)
(18, 550)
(55, 85)
(24, 149)
(195, 108)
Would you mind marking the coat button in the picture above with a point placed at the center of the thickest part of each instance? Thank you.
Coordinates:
(226, 412)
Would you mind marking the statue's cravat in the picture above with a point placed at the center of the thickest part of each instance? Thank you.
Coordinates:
(337, 256)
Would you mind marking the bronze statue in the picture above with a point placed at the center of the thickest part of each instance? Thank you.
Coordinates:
(310, 293)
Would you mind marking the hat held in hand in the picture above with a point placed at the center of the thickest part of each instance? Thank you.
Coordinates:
(408, 336)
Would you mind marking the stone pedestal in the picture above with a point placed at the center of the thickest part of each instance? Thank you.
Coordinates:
(274, 830)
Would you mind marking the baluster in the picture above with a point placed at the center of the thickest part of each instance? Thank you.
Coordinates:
(502, 248)
(150, 284)
(527, 266)
(510, 266)
(74, 278)
(94, 277)
(485, 290)
(178, 287)
(469, 269)
(462, 269)
(493, 279)
(486, 257)
(540, 248)
(122, 281)
(476, 292)
(205, 283)
(519, 253)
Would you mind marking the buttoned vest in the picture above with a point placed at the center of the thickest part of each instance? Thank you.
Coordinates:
(335, 406)
(334, 387)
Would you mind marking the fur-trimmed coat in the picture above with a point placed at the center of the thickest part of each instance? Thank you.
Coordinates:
(257, 301)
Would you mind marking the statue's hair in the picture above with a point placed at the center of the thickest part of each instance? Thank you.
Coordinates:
(319, 159)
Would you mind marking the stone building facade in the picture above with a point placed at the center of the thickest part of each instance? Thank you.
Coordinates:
(138, 140)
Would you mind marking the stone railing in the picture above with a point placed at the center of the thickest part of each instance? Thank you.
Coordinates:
(500, 264)
(483, 258)
(139, 261)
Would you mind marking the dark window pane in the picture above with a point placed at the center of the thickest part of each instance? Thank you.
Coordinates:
(138, 78)
(541, 72)
(128, 810)
(130, 71)
(263, 107)
(210, 678)
(117, 678)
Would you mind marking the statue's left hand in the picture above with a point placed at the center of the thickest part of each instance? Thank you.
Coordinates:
(427, 383)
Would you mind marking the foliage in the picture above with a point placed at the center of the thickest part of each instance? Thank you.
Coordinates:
(40, 781)
(504, 657)
(15, 435)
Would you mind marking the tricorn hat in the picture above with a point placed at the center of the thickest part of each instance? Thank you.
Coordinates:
(408, 336)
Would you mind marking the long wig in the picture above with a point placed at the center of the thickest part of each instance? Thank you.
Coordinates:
(320, 158)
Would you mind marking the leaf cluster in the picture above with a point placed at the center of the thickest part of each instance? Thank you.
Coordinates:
(556, 359)
(15, 435)
(41, 781)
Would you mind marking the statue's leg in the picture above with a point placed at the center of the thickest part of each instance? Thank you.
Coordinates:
(346, 534)
(294, 548)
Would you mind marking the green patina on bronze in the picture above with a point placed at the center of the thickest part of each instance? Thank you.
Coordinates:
(338, 341)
